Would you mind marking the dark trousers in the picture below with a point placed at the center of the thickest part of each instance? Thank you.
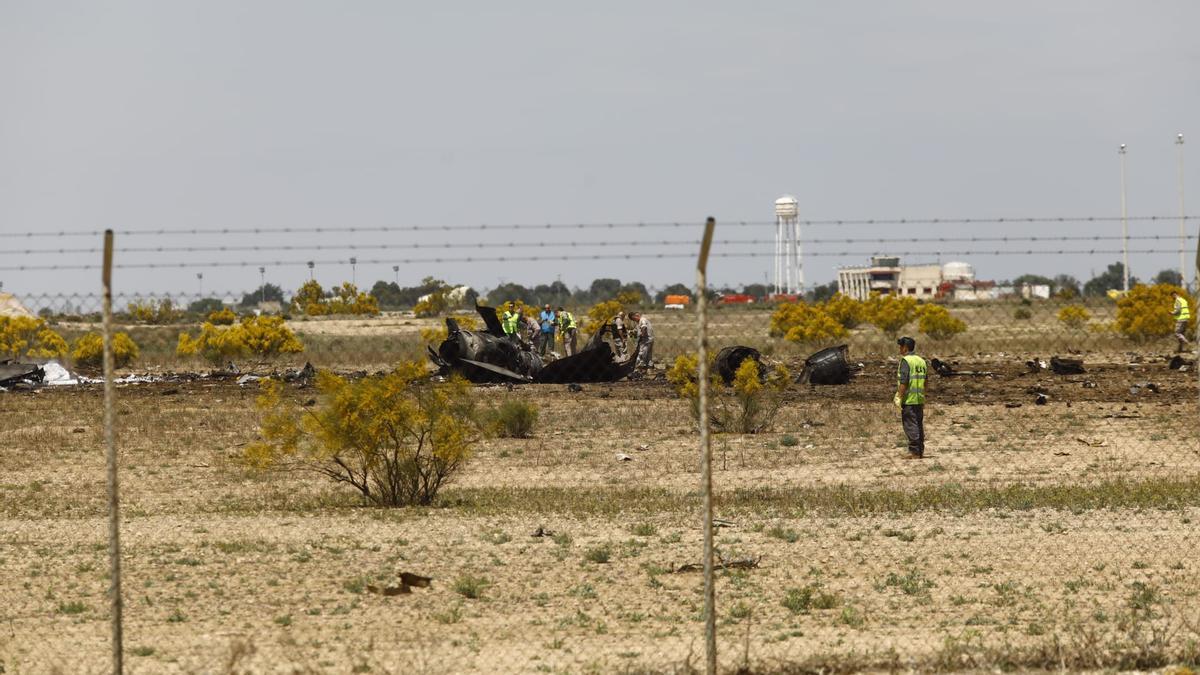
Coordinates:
(912, 417)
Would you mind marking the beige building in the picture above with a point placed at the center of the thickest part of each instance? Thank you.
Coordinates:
(886, 275)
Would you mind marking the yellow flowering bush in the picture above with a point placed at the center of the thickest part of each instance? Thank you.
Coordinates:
(890, 313)
(1074, 316)
(747, 406)
(396, 438)
(32, 337)
(222, 317)
(938, 323)
(264, 336)
(88, 350)
(805, 323)
(1145, 312)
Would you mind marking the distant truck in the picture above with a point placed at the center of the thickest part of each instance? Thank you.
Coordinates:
(677, 301)
(735, 299)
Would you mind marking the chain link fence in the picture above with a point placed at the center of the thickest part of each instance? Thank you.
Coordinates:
(1049, 524)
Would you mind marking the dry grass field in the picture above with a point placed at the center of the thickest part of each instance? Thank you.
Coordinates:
(1041, 536)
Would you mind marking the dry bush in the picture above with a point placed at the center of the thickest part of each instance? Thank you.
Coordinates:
(396, 438)
(156, 313)
(1145, 312)
(746, 407)
(88, 350)
(1074, 316)
(264, 336)
(23, 336)
(222, 317)
(937, 322)
(804, 323)
(890, 313)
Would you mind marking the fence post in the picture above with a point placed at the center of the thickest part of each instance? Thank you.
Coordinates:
(710, 620)
(110, 441)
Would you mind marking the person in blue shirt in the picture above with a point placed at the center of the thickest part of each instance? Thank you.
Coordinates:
(547, 319)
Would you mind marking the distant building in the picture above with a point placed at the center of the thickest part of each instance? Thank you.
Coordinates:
(885, 275)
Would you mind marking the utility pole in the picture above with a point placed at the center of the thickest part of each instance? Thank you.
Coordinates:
(262, 285)
(396, 270)
(1182, 217)
(200, 281)
(1124, 226)
(311, 265)
(353, 272)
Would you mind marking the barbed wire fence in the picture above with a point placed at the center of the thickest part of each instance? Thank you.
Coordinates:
(1048, 524)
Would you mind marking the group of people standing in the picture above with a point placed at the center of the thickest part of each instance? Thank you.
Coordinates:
(544, 330)
(552, 325)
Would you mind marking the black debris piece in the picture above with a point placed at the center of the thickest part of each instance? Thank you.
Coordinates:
(1062, 366)
(828, 366)
(13, 373)
(730, 359)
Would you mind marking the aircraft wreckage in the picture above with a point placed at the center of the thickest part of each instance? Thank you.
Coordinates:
(491, 356)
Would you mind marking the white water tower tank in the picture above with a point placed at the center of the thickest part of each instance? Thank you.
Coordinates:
(787, 207)
(958, 271)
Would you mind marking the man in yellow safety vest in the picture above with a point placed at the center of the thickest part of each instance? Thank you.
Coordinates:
(910, 397)
(509, 321)
(569, 331)
(1182, 314)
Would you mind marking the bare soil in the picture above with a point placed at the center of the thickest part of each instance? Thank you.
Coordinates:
(228, 569)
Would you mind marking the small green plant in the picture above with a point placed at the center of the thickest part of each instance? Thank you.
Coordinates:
(811, 596)
(644, 530)
(598, 554)
(285, 620)
(74, 607)
(470, 586)
(449, 616)
(789, 441)
(515, 419)
(786, 534)
(1022, 314)
(911, 583)
(142, 651)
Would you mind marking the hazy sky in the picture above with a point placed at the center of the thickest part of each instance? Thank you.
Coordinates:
(180, 115)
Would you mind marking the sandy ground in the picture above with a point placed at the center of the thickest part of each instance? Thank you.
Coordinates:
(228, 569)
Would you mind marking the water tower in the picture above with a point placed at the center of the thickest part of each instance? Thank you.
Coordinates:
(789, 270)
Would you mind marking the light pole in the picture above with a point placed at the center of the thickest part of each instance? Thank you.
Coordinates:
(1182, 217)
(1124, 227)
(353, 272)
(396, 269)
(311, 265)
(262, 285)
(200, 282)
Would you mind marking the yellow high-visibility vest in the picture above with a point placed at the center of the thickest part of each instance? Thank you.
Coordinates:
(1182, 311)
(916, 379)
(508, 322)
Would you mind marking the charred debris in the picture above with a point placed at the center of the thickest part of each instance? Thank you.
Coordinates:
(490, 356)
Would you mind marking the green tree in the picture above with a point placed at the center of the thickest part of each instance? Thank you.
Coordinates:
(264, 293)
(1110, 279)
